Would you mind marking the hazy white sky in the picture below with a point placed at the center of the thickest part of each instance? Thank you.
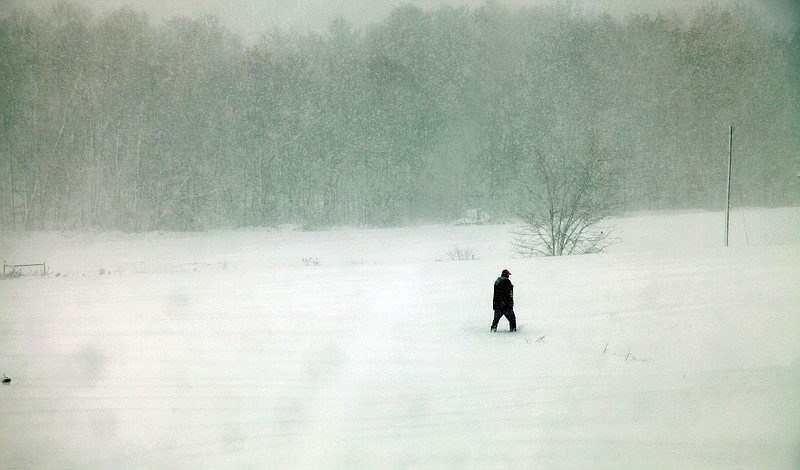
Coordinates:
(250, 18)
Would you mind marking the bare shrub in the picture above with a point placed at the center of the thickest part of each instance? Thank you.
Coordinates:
(568, 199)
(457, 253)
(11, 274)
(311, 262)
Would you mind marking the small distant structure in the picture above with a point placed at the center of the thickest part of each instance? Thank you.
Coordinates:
(474, 216)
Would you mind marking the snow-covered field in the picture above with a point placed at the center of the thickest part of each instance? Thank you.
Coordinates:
(235, 350)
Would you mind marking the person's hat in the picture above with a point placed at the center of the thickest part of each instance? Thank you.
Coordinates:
(505, 272)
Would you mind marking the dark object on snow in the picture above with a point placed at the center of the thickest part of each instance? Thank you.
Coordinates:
(503, 292)
(6, 379)
(503, 301)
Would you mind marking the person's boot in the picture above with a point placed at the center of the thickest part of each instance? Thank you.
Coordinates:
(494, 329)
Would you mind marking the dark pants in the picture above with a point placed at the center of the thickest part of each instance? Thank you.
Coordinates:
(509, 314)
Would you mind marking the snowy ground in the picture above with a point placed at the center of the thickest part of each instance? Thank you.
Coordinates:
(227, 350)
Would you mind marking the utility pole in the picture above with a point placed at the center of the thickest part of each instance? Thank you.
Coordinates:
(728, 193)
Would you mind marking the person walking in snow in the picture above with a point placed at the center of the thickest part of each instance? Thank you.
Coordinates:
(503, 301)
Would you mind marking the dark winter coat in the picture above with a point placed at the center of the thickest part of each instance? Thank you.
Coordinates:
(503, 294)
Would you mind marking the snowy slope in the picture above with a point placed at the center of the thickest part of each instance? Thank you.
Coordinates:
(226, 350)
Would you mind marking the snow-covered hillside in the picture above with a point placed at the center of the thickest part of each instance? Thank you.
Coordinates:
(371, 349)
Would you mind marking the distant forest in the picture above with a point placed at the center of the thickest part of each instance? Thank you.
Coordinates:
(113, 123)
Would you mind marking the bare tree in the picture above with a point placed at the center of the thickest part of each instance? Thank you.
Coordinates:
(569, 198)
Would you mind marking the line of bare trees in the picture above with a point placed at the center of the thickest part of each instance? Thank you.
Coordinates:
(111, 122)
